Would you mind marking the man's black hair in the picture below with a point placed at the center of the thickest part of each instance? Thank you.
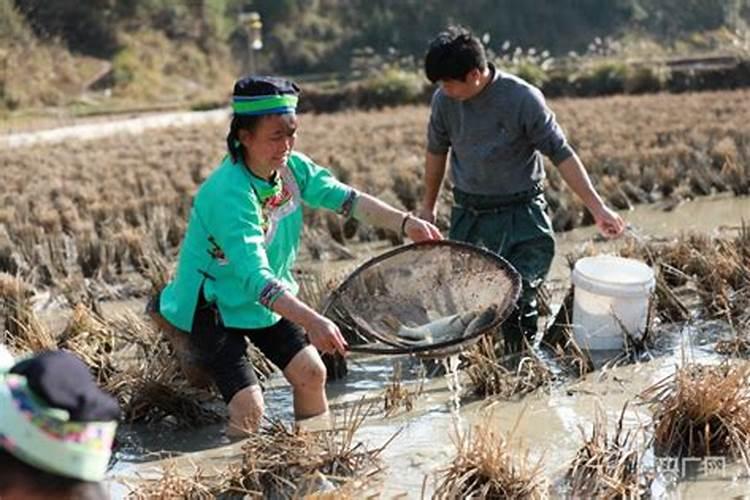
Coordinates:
(453, 54)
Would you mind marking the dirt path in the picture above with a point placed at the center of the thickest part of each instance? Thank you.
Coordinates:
(98, 129)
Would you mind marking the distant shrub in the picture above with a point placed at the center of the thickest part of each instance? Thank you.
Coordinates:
(528, 64)
(603, 78)
(643, 79)
(124, 66)
(86, 26)
(13, 26)
(391, 88)
(531, 72)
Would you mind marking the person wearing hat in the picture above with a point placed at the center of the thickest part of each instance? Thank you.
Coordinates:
(234, 282)
(496, 127)
(56, 428)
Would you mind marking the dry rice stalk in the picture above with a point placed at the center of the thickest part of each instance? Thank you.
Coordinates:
(94, 341)
(23, 330)
(607, 467)
(176, 485)
(669, 306)
(702, 411)
(398, 396)
(739, 346)
(153, 400)
(173, 485)
(152, 387)
(717, 268)
(488, 377)
(574, 359)
(76, 291)
(484, 468)
(544, 298)
(155, 268)
(31, 335)
(286, 462)
(559, 339)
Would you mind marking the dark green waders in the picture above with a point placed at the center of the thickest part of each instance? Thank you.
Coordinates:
(517, 228)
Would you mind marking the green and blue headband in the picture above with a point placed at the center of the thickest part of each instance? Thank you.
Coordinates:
(264, 105)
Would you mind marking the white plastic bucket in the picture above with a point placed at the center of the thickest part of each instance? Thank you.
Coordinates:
(611, 294)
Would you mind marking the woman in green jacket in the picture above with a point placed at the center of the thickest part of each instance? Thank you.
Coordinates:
(234, 277)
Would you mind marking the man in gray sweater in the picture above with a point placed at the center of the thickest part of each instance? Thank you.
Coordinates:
(496, 128)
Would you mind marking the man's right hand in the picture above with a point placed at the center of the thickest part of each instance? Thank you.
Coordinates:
(326, 336)
(428, 214)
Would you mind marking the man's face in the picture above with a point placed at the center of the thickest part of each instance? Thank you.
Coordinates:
(269, 145)
(462, 90)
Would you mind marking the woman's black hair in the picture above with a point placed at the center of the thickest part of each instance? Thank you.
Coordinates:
(17, 474)
(240, 122)
(453, 54)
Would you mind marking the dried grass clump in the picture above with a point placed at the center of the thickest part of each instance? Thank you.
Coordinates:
(152, 387)
(126, 356)
(93, 340)
(484, 467)
(608, 467)
(173, 485)
(398, 396)
(153, 401)
(739, 346)
(713, 268)
(702, 411)
(574, 360)
(488, 377)
(23, 330)
(278, 462)
(290, 463)
(155, 268)
(558, 339)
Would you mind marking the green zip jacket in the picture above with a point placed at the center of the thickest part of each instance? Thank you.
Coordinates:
(242, 240)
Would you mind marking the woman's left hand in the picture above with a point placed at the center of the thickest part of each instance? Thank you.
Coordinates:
(421, 230)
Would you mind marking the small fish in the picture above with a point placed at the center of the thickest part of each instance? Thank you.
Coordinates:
(482, 321)
(449, 327)
(439, 330)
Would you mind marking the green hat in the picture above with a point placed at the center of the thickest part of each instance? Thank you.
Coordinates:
(264, 95)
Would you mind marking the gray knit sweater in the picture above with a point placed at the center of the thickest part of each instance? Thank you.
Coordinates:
(496, 138)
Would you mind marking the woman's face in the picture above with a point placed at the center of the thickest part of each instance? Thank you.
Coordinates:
(269, 145)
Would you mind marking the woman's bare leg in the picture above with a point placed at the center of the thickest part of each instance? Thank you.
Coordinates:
(307, 374)
(245, 411)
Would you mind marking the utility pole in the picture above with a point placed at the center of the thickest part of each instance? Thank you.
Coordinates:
(254, 35)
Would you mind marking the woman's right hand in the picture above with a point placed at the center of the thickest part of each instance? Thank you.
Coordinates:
(421, 230)
(326, 336)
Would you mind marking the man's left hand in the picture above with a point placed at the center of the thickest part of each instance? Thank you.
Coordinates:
(609, 222)
(421, 230)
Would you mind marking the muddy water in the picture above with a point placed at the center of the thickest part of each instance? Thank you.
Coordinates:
(546, 423)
